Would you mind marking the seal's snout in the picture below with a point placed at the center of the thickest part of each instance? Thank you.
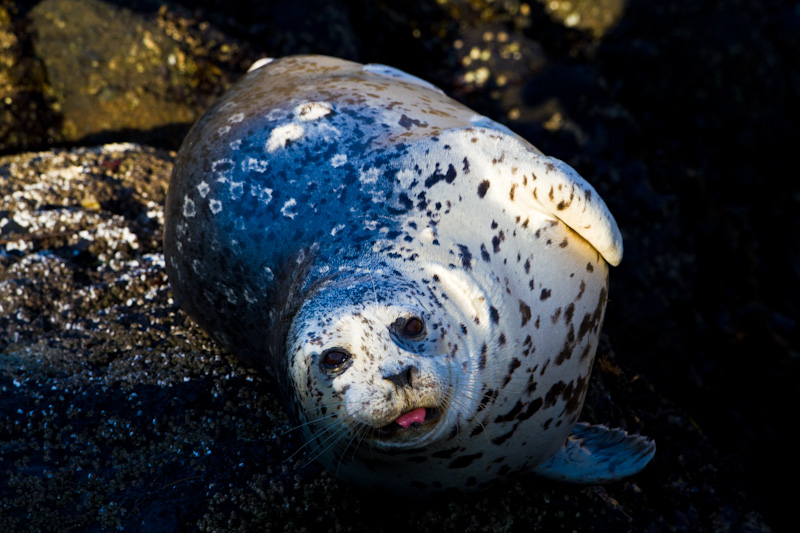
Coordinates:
(405, 378)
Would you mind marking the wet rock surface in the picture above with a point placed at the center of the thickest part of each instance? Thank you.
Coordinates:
(117, 411)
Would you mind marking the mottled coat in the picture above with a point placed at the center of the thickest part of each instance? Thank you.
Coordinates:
(426, 286)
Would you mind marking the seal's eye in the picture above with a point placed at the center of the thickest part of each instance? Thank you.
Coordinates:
(413, 327)
(334, 358)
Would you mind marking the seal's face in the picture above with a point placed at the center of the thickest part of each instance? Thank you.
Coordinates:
(374, 374)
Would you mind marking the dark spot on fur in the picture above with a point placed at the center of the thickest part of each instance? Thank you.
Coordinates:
(485, 253)
(576, 394)
(466, 257)
(554, 393)
(477, 431)
(408, 122)
(482, 188)
(496, 240)
(545, 294)
(544, 367)
(591, 321)
(494, 315)
(525, 311)
(586, 352)
(488, 398)
(515, 363)
(446, 454)
(532, 409)
(437, 176)
(568, 312)
(406, 201)
(565, 204)
(511, 415)
(465, 460)
(502, 438)
(586, 325)
(569, 346)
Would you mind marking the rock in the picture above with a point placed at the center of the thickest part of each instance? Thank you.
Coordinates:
(26, 116)
(117, 74)
(596, 17)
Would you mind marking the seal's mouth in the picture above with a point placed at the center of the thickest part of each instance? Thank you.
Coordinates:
(415, 420)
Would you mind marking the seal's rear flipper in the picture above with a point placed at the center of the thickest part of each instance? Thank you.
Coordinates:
(598, 454)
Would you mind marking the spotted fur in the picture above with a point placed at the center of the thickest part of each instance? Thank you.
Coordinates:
(321, 205)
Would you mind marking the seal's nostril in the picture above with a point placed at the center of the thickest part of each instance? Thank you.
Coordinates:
(411, 375)
(405, 378)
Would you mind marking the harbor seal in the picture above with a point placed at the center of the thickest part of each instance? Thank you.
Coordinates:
(425, 286)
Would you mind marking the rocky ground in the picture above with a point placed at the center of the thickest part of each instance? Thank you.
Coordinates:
(117, 412)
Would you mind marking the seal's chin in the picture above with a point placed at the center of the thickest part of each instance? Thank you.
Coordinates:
(410, 424)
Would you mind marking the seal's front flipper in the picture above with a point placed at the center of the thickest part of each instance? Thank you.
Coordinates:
(598, 454)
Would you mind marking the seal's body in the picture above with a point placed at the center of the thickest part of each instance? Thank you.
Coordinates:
(426, 287)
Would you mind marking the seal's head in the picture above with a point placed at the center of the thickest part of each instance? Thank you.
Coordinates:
(371, 361)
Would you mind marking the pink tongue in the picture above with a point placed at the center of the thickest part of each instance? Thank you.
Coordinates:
(417, 415)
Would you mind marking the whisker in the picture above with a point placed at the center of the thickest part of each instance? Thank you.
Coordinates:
(452, 401)
(336, 437)
(363, 433)
(348, 437)
(326, 417)
(310, 441)
(472, 373)
(358, 433)
(374, 292)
